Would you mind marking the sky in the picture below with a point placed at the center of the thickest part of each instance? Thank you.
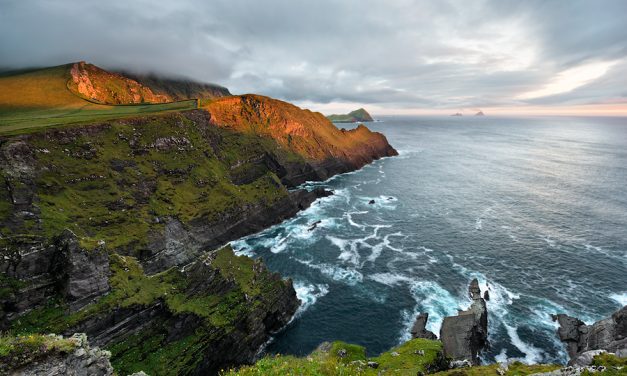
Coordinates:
(390, 57)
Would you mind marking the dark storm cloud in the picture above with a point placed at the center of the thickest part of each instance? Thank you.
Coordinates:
(396, 54)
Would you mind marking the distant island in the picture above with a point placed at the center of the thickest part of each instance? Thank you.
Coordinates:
(457, 114)
(480, 113)
(356, 116)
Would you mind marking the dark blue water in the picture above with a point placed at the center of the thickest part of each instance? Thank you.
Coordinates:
(535, 208)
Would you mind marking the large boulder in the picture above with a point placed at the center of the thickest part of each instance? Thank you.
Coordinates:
(465, 335)
(609, 334)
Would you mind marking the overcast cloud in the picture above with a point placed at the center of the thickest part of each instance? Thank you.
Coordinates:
(397, 54)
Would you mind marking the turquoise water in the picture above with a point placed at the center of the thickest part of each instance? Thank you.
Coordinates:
(535, 208)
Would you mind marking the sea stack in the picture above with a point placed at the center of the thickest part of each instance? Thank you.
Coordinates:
(465, 335)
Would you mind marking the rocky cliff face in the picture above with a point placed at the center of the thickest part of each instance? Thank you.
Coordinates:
(327, 149)
(95, 84)
(609, 334)
(108, 228)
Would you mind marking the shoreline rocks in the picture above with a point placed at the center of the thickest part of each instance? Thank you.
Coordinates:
(609, 334)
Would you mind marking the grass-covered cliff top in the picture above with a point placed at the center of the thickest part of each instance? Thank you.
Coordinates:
(415, 357)
(49, 97)
(340, 358)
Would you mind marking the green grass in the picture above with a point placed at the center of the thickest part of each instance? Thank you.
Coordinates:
(82, 192)
(340, 358)
(20, 121)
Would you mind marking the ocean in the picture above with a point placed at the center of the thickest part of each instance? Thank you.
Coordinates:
(535, 208)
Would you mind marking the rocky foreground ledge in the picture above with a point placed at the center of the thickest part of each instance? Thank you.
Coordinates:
(424, 354)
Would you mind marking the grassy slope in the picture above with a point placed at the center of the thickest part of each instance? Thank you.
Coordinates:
(40, 98)
(325, 361)
(120, 206)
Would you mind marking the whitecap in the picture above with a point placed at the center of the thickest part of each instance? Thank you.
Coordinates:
(479, 224)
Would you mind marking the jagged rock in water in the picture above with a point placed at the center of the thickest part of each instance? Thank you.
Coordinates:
(419, 329)
(466, 334)
(82, 361)
(609, 334)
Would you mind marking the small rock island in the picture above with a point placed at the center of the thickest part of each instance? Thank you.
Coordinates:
(356, 116)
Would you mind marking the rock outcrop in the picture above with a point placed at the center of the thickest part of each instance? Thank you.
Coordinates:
(96, 84)
(419, 330)
(465, 335)
(78, 358)
(609, 334)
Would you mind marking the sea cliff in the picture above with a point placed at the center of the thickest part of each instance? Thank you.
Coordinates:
(115, 228)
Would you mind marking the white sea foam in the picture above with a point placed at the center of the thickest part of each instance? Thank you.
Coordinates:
(378, 248)
(350, 276)
(280, 243)
(432, 298)
(548, 241)
(349, 217)
(309, 294)
(389, 279)
(502, 356)
(620, 298)
(533, 354)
